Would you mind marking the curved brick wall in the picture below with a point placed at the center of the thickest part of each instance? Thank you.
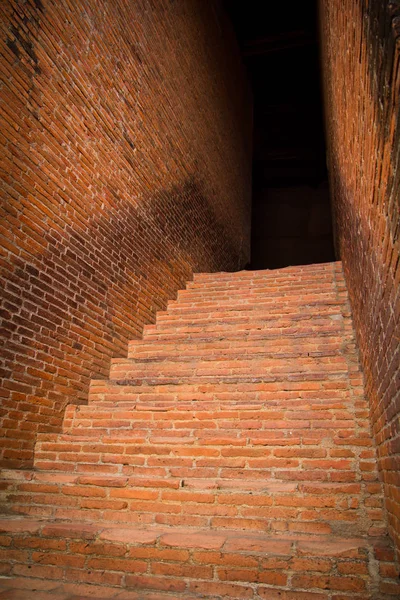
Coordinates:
(127, 136)
(361, 57)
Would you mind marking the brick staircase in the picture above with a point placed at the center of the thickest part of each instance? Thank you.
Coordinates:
(229, 456)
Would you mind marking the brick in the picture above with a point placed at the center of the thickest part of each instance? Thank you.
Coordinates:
(221, 589)
(349, 568)
(187, 496)
(117, 564)
(13, 555)
(173, 570)
(345, 548)
(70, 530)
(93, 577)
(76, 490)
(329, 583)
(84, 589)
(103, 481)
(159, 554)
(219, 558)
(322, 566)
(252, 575)
(320, 528)
(96, 548)
(271, 594)
(44, 572)
(5, 540)
(134, 494)
(388, 570)
(58, 559)
(390, 587)
(129, 536)
(155, 583)
(13, 526)
(247, 544)
(193, 540)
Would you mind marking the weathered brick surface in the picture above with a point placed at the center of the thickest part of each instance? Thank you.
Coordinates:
(255, 478)
(126, 167)
(230, 565)
(361, 51)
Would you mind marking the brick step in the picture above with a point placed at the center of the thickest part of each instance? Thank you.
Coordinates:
(306, 285)
(222, 315)
(297, 275)
(273, 434)
(311, 321)
(263, 301)
(232, 380)
(218, 411)
(241, 332)
(298, 455)
(320, 270)
(241, 440)
(245, 349)
(290, 295)
(249, 306)
(243, 392)
(16, 481)
(125, 368)
(244, 438)
(212, 420)
(291, 403)
(162, 410)
(259, 297)
(207, 564)
(238, 316)
(298, 270)
(271, 298)
(268, 505)
(158, 416)
(155, 412)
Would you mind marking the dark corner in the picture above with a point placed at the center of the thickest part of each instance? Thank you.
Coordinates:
(291, 215)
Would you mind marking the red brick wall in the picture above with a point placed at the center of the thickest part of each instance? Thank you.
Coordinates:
(126, 132)
(361, 54)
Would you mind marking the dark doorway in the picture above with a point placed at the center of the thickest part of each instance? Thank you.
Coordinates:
(291, 217)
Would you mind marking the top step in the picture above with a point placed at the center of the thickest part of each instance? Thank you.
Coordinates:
(306, 273)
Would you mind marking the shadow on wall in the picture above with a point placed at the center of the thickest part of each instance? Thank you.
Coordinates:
(74, 303)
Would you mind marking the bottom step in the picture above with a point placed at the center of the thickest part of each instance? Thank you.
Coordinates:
(130, 563)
